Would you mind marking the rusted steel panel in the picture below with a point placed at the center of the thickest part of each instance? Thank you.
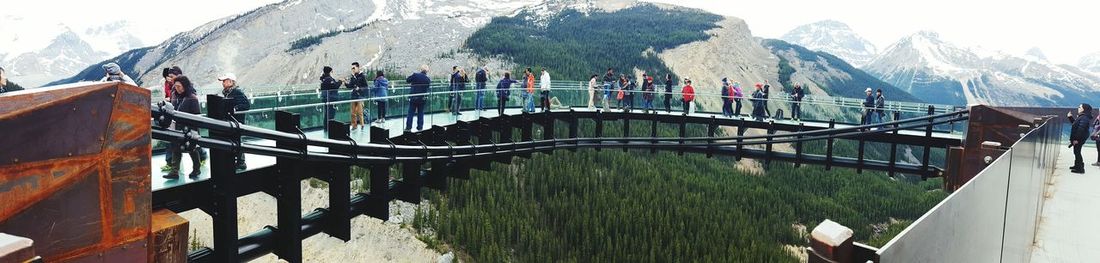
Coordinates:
(78, 181)
(169, 237)
(985, 124)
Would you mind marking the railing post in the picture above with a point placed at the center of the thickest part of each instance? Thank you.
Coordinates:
(768, 150)
(927, 148)
(626, 130)
(712, 127)
(894, 148)
(798, 145)
(526, 127)
(548, 126)
(223, 176)
(859, 157)
(339, 186)
(599, 128)
(683, 133)
(653, 132)
(829, 147)
(378, 207)
(288, 192)
(740, 133)
(574, 127)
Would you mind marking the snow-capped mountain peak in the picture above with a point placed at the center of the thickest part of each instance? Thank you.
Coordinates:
(1091, 63)
(1035, 54)
(833, 37)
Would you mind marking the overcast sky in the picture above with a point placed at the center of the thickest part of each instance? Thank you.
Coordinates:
(1064, 29)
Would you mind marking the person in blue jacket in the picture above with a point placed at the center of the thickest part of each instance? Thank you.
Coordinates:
(380, 91)
(480, 78)
(418, 86)
(503, 91)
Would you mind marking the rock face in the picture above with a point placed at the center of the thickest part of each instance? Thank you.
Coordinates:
(940, 72)
(384, 34)
(835, 38)
(62, 57)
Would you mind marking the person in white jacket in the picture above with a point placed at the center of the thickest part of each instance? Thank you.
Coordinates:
(592, 92)
(544, 86)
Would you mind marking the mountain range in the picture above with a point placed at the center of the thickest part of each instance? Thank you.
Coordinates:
(55, 51)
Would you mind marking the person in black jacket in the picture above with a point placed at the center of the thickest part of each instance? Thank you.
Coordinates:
(868, 107)
(184, 100)
(796, 102)
(358, 85)
(330, 94)
(1078, 134)
(418, 86)
(237, 102)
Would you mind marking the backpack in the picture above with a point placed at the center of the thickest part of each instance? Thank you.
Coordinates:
(620, 95)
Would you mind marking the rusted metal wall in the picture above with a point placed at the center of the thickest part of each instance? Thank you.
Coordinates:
(74, 171)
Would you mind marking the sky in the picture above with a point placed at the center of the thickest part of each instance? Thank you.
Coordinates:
(1065, 30)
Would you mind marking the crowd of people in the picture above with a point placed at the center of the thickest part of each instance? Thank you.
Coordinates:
(181, 95)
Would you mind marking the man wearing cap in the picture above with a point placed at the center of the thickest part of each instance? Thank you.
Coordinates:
(868, 107)
(237, 102)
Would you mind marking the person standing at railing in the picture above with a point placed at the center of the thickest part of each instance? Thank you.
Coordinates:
(880, 106)
(796, 102)
(689, 97)
(504, 89)
(170, 75)
(631, 85)
(737, 95)
(184, 100)
(458, 83)
(237, 102)
(381, 90)
(868, 107)
(529, 91)
(330, 94)
(592, 92)
(1079, 132)
(1095, 136)
(620, 86)
(608, 83)
(358, 85)
(480, 78)
(5, 85)
(759, 103)
(668, 93)
(544, 88)
(418, 86)
(114, 73)
(649, 93)
(727, 98)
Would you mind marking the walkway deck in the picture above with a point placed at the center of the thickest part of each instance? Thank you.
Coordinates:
(396, 125)
(1070, 223)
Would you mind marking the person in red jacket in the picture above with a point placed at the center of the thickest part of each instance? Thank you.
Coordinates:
(689, 97)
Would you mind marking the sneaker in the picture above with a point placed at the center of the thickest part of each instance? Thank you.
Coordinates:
(202, 163)
(172, 175)
(1096, 164)
(241, 167)
(1077, 171)
(166, 168)
(194, 174)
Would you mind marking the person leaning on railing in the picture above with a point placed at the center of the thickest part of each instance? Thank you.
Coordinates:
(503, 91)
(418, 86)
(184, 100)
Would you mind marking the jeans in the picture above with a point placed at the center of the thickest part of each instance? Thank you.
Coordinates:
(545, 100)
(479, 103)
(648, 104)
(456, 102)
(796, 110)
(416, 106)
(528, 102)
(177, 158)
(737, 107)
(668, 103)
(329, 97)
(381, 110)
(727, 108)
(1078, 161)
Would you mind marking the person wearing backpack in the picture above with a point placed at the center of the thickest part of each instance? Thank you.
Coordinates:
(689, 97)
(727, 99)
(114, 73)
(480, 78)
(503, 91)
